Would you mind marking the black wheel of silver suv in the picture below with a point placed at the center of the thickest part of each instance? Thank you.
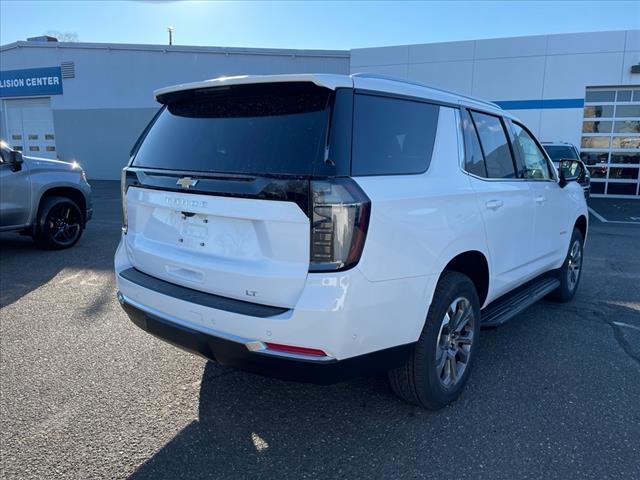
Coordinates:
(59, 224)
(440, 364)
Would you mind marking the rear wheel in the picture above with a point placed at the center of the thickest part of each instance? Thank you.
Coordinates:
(571, 270)
(59, 224)
(441, 362)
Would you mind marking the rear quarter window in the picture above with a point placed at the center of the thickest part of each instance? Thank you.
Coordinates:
(392, 136)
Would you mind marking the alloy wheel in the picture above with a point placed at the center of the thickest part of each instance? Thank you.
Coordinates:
(574, 265)
(453, 348)
(64, 224)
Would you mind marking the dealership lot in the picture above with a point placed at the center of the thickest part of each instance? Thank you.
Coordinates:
(85, 394)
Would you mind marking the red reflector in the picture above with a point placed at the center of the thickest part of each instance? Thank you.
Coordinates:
(299, 350)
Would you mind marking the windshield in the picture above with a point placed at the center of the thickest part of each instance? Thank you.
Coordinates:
(558, 152)
(278, 129)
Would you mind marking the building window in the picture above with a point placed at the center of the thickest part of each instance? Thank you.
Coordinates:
(611, 140)
(596, 127)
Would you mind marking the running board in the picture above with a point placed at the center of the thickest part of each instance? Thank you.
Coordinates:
(511, 304)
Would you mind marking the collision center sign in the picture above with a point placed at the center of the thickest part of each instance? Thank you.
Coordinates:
(31, 82)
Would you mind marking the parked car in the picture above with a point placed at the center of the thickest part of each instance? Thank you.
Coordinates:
(558, 151)
(47, 199)
(316, 227)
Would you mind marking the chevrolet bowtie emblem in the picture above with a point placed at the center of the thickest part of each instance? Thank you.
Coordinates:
(186, 182)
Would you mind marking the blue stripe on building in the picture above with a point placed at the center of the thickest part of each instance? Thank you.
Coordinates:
(541, 104)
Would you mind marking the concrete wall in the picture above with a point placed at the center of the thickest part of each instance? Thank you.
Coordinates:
(538, 68)
(109, 102)
(99, 138)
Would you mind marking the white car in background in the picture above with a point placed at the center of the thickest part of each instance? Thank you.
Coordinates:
(316, 227)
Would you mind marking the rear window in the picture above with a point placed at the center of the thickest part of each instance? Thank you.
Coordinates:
(392, 136)
(556, 153)
(277, 129)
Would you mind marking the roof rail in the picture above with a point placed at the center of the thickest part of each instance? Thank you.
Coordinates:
(380, 76)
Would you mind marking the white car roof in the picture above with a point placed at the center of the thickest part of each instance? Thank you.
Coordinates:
(365, 81)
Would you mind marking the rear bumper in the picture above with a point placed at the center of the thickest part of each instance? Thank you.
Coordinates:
(342, 313)
(237, 353)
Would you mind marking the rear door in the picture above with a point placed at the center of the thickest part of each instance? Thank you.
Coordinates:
(504, 200)
(219, 190)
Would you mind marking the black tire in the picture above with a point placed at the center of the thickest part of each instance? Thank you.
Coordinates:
(59, 224)
(571, 270)
(420, 380)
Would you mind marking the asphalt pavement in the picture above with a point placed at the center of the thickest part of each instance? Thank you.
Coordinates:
(555, 393)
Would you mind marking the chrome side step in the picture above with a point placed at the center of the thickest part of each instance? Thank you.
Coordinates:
(513, 303)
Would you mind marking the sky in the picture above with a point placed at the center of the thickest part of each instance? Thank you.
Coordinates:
(311, 25)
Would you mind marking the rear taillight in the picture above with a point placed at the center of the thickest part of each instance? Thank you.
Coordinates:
(123, 200)
(339, 222)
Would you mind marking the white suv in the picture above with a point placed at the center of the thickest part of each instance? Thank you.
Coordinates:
(317, 227)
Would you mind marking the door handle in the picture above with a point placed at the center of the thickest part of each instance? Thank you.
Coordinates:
(541, 199)
(494, 204)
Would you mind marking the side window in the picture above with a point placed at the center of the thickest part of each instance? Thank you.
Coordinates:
(473, 157)
(495, 146)
(535, 163)
(392, 136)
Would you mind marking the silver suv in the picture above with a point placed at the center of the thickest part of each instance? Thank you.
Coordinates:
(49, 200)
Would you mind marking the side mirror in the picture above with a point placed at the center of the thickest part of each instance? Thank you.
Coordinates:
(15, 160)
(570, 171)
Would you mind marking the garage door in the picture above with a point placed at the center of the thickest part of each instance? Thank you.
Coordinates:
(30, 126)
(611, 140)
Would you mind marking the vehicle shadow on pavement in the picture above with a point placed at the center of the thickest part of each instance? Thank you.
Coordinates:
(252, 426)
(24, 268)
(519, 409)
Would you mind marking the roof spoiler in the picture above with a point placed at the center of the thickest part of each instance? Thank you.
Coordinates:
(322, 80)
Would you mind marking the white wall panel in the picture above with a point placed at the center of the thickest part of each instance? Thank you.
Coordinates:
(633, 40)
(591, 42)
(630, 58)
(561, 125)
(567, 75)
(455, 76)
(441, 52)
(508, 78)
(379, 56)
(512, 47)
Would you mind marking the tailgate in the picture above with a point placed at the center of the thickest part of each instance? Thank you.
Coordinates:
(249, 249)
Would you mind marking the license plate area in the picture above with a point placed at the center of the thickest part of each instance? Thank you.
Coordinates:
(193, 229)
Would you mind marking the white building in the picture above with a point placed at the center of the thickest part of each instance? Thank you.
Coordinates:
(581, 88)
(104, 96)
